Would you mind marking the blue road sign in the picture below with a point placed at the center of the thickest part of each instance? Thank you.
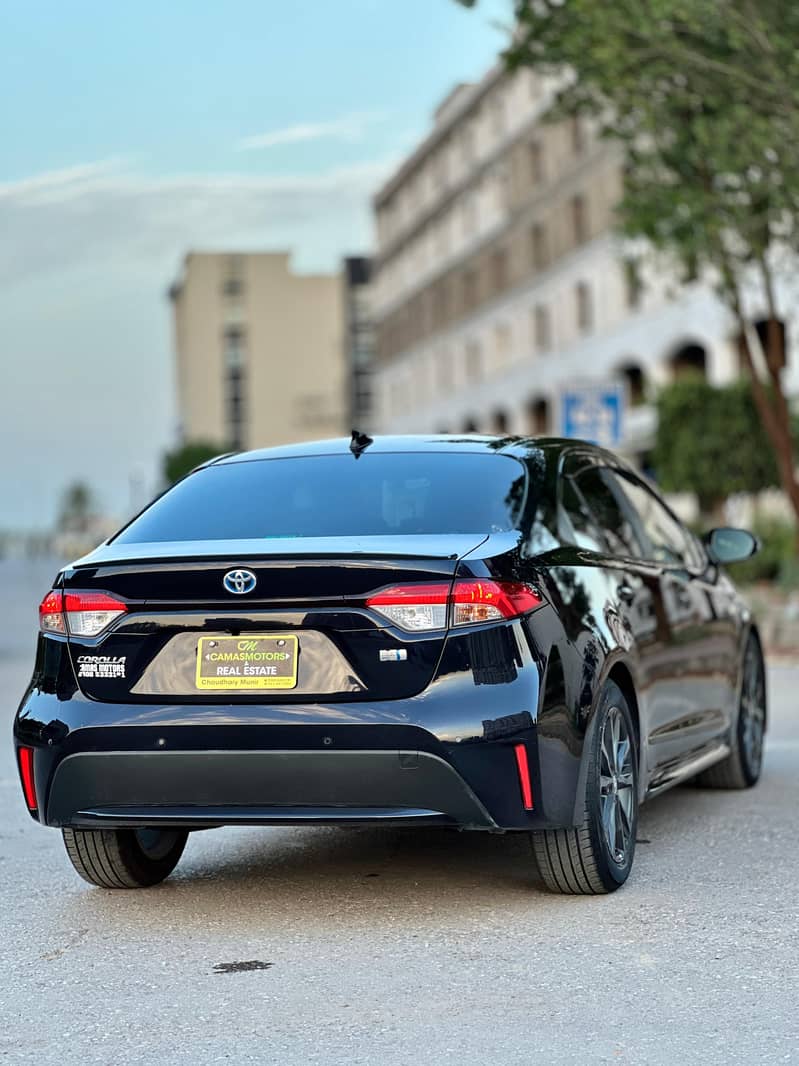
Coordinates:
(594, 412)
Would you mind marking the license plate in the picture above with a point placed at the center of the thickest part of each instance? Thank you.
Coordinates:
(252, 663)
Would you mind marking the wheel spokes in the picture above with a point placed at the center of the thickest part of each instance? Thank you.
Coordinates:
(752, 711)
(616, 785)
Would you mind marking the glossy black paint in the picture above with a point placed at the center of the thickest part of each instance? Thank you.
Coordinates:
(671, 636)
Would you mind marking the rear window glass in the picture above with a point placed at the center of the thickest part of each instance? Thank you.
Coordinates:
(338, 496)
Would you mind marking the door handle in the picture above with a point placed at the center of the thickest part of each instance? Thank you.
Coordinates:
(625, 592)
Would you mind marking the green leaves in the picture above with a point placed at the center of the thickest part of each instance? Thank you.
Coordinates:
(183, 459)
(711, 441)
(704, 97)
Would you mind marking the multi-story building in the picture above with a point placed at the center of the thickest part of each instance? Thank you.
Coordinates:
(261, 355)
(500, 280)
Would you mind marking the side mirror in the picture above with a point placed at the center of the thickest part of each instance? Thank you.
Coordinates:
(726, 545)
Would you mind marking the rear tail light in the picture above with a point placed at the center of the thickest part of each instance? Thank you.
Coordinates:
(424, 607)
(26, 773)
(82, 614)
(51, 613)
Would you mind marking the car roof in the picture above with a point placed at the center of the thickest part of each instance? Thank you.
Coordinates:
(467, 443)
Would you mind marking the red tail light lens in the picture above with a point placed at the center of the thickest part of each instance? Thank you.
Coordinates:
(523, 769)
(425, 607)
(488, 601)
(51, 613)
(82, 614)
(26, 773)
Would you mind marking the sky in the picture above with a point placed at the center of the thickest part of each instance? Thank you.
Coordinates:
(131, 133)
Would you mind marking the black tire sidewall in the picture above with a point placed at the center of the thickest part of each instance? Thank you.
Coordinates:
(145, 869)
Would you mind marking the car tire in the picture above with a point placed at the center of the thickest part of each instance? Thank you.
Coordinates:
(743, 766)
(124, 858)
(596, 856)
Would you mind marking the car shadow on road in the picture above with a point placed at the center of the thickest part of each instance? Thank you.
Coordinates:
(258, 878)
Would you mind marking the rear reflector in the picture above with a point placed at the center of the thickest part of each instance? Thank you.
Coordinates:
(430, 606)
(83, 614)
(524, 776)
(26, 773)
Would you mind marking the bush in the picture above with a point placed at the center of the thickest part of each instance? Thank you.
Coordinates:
(776, 561)
(184, 459)
(711, 441)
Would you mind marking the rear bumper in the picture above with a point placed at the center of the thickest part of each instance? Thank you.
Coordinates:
(444, 756)
(200, 788)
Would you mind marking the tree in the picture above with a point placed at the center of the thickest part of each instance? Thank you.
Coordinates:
(183, 460)
(702, 96)
(698, 447)
(76, 508)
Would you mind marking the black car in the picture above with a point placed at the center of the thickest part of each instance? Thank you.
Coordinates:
(496, 634)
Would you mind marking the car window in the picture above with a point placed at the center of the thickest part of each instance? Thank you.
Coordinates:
(583, 529)
(378, 494)
(610, 513)
(667, 540)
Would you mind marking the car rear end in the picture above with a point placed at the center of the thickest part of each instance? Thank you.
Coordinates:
(306, 638)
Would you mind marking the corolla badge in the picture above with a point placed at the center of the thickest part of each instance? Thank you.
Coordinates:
(239, 581)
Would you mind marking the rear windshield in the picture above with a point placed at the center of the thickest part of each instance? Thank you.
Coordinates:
(338, 496)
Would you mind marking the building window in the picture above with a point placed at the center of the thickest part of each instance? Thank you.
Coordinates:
(499, 270)
(232, 288)
(579, 211)
(233, 355)
(498, 113)
(474, 362)
(636, 383)
(585, 310)
(235, 404)
(440, 304)
(444, 372)
(234, 347)
(467, 143)
(542, 328)
(577, 133)
(502, 184)
(538, 245)
(502, 343)
(535, 157)
(690, 361)
(442, 237)
(469, 288)
(439, 169)
(538, 418)
(633, 284)
(233, 280)
(499, 423)
(469, 214)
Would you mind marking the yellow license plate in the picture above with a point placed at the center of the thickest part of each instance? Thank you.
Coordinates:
(246, 663)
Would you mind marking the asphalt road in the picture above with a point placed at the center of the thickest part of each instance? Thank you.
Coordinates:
(390, 947)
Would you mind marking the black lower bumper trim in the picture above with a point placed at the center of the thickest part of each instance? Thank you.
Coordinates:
(263, 787)
(207, 817)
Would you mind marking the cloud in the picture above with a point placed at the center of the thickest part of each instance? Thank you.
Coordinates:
(107, 214)
(347, 128)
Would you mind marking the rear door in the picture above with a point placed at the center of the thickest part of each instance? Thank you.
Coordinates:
(703, 645)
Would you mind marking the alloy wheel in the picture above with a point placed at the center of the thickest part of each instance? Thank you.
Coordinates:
(616, 785)
(752, 720)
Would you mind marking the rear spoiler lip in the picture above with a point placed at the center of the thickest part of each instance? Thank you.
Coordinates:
(443, 547)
